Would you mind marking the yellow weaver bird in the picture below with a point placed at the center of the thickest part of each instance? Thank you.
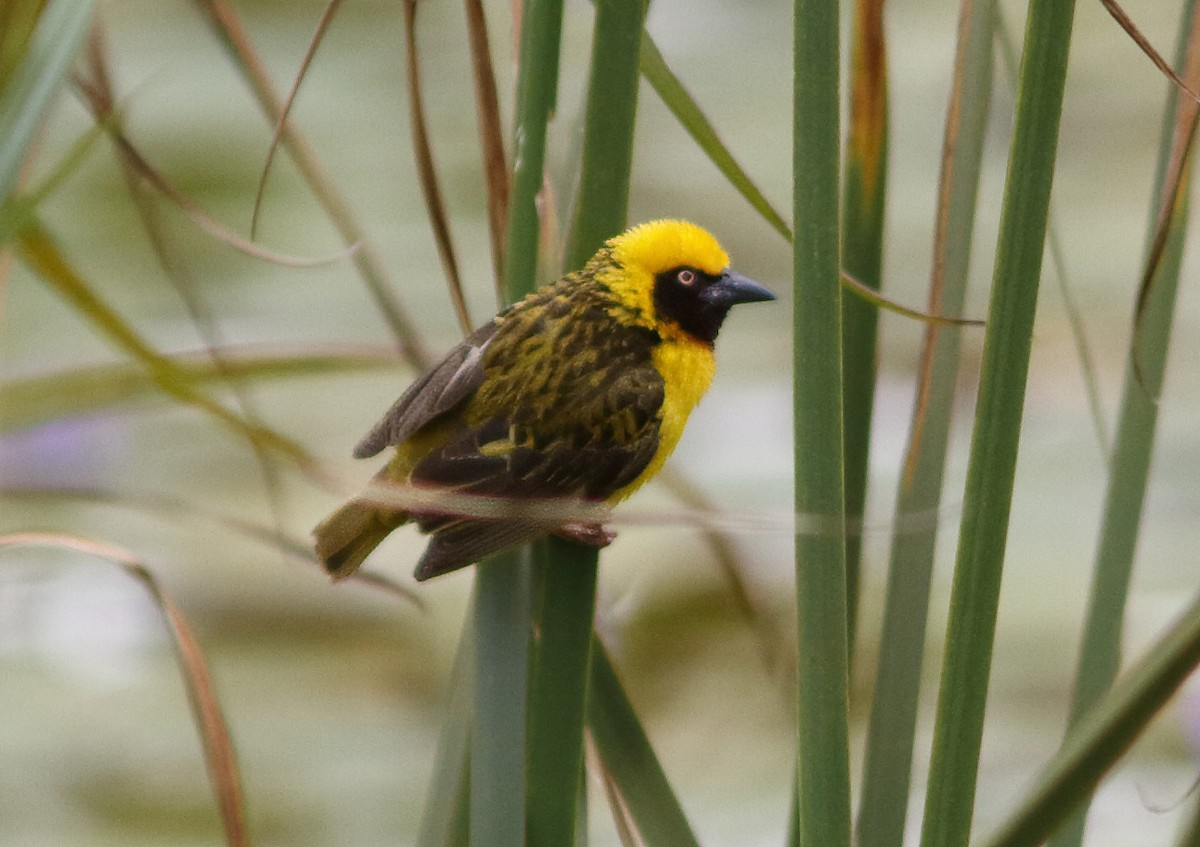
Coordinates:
(579, 391)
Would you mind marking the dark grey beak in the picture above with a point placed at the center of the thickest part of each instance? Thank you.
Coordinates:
(733, 288)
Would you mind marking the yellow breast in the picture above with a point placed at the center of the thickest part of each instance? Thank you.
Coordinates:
(687, 369)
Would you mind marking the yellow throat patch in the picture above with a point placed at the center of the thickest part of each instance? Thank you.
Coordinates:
(686, 364)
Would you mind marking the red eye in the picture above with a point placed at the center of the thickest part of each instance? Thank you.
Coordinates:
(686, 276)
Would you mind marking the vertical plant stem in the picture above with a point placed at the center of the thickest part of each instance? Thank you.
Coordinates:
(892, 727)
(1087, 367)
(823, 781)
(558, 688)
(987, 502)
(568, 579)
(603, 198)
(444, 821)
(537, 89)
(1100, 654)
(862, 257)
(502, 630)
(501, 635)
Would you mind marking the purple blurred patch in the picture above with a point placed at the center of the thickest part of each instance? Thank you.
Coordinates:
(67, 452)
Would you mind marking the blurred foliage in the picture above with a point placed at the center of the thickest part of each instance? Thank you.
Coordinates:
(335, 697)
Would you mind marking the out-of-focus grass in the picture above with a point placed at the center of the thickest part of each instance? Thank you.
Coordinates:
(94, 733)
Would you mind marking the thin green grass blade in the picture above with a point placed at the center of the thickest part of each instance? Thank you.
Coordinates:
(602, 200)
(40, 253)
(823, 772)
(863, 195)
(1100, 653)
(176, 511)
(232, 35)
(34, 82)
(630, 761)
(503, 601)
(102, 96)
(872, 297)
(215, 740)
(81, 391)
(445, 821)
(970, 631)
(20, 209)
(1087, 367)
(685, 109)
(318, 37)
(1104, 735)
(567, 571)
(892, 727)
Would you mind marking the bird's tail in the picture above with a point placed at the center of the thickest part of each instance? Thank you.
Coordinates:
(348, 535)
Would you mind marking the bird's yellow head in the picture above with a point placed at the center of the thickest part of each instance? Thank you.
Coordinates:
(674, 274)
(659, 246)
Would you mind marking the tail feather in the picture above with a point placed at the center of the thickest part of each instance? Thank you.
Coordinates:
(346, 537)
(465, 542)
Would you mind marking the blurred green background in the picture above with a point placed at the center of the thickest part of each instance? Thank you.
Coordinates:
(333, 694)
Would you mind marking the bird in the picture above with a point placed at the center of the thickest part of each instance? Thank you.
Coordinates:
(580, 391)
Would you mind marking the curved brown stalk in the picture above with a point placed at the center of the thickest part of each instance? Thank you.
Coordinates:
(427, 173)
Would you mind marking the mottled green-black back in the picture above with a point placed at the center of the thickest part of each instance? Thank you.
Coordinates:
(567, 403)
(564, 370)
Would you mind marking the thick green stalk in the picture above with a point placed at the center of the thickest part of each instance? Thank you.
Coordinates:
(565, 606)
(501, 633)
(1105, 734)
(892, 728)
(1100, 653)
(603, 198)
(502, 615)
(568, 581)
(537, 89)
(862, 258)
(975, 594)
(823, 780)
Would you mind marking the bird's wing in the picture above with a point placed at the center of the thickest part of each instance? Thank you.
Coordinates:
(437, 392)
(588, 445)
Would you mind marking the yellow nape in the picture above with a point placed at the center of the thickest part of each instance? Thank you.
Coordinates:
(659, 246)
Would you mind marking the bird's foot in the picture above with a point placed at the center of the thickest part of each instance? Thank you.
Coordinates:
(587, 534)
